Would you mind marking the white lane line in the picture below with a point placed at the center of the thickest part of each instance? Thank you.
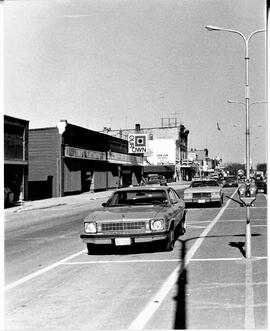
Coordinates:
(42, 271)
(198, 222)
(142, 319)
(197, 226)
(218, 259)
(162, 260)
(123, 261)
(249, 298)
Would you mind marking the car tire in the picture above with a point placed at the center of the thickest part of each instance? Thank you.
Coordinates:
(90, 249)
(169, 241)
(183, 225)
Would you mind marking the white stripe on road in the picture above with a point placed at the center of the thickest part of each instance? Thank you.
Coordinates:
(162, 260)
(249, 298)
(42, 271)
(123, 261)
(143, 318)
(197, 227)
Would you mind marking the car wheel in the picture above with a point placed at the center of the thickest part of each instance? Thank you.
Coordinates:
(183, 225)
(169, 242)
(90, 249)
(221, 202)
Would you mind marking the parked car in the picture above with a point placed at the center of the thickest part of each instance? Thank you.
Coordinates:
(134, 215)
(203, 191)
(230, 181)
(155, 179)
(261, 184)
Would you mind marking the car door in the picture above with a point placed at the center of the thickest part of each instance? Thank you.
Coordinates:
(177, 206)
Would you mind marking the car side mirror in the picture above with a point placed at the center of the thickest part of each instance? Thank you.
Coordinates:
(103, 204)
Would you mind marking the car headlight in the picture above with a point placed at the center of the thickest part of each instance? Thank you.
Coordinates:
(157, 224)
(187, 195)
(215, 195)
(90, 227)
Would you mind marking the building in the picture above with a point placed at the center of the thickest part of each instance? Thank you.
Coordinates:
(68, 159)
(167, 145)
(15, 159)
(205, 164)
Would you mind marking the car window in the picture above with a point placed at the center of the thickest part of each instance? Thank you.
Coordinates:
(173, 197)
(139, 197)
(204, 183)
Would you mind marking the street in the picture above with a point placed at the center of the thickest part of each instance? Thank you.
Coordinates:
(204, 283)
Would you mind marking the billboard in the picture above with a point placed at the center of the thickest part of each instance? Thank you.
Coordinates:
(137, 143)
(161, 152)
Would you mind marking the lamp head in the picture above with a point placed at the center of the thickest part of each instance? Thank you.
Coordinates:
(212, 28)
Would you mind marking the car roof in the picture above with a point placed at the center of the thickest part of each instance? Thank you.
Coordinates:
(143, 188)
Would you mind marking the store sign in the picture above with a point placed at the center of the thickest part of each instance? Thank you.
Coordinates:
(119, 158)
(80, 153)
(137, 143)
(163, 152)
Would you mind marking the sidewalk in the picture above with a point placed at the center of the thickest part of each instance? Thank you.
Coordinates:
(70, 200)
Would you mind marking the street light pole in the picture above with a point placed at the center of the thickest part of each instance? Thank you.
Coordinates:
(247, 105)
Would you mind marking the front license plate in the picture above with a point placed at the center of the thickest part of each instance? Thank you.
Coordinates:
(201, 201)
(122, 241)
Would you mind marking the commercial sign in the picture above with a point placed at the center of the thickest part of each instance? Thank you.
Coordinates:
(137, 143)
(162, 152)
(80, 153)
(126, 159)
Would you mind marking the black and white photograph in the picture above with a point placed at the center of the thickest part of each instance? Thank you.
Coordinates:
(134, 165)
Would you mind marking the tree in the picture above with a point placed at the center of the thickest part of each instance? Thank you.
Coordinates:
(262, 167)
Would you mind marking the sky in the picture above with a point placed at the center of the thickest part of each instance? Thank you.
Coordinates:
(115, 63)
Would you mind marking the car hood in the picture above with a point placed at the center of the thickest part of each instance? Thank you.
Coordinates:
(128, 213)
(202, 189)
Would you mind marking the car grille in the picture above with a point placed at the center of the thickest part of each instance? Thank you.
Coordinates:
(122, 227)
(202, 195)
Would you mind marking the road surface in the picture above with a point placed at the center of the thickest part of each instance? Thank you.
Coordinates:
(204, 283)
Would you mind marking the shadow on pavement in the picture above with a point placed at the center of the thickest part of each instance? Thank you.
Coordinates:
(180, 320)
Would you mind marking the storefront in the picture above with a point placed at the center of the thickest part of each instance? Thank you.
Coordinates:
(15, 160)
(69, 159)
(167, 171)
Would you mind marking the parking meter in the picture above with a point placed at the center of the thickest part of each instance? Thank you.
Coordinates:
(247, 193)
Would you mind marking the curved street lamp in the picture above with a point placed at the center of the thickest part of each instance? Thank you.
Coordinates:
(247, 105)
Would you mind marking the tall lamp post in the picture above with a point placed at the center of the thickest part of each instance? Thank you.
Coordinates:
(247, 105)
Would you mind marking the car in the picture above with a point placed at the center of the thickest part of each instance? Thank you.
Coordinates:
(230, 181)
(261, 184)
(203, 191)
(154, 179)
(137, 215)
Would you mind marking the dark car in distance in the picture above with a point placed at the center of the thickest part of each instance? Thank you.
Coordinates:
(155, 179)
(230, 181)
(261, 185)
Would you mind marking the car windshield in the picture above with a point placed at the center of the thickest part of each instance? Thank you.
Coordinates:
(204, 183)
(140, 197)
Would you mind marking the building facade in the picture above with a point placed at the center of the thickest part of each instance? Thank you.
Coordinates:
(15, 159)
(69, 159)
(167, 146)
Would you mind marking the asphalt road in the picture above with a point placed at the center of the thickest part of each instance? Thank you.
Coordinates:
(204, 283)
